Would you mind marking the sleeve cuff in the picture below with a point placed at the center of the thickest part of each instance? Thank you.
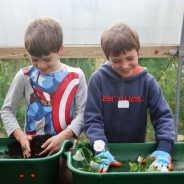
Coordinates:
(164, 145)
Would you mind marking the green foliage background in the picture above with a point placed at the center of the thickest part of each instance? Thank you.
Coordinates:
(164, 70)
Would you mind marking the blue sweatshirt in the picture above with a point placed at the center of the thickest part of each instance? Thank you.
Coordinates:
(116, 109)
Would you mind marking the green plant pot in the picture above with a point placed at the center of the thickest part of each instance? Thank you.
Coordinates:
(29, 171)
(129, 152)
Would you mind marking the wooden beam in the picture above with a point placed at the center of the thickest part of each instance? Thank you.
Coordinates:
(91, 51)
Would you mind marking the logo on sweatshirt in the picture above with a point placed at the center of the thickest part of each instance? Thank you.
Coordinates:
(136, 99)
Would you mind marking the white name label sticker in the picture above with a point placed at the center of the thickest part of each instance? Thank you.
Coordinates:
(123, 104)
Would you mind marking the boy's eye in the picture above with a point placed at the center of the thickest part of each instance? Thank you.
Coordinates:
(34, 60)
(130, 58)
(47, 60)
(115, 60)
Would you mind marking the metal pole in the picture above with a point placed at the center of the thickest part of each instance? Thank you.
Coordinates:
(178, 92)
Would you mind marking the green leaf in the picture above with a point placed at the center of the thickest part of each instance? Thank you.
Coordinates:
(133, 167)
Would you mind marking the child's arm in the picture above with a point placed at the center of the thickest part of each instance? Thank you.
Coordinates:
(11, 103)
(161, 117)
(93, 115)
(80, 102)
(163, 124)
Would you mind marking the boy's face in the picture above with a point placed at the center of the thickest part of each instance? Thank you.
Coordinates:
(46, 64)
(124, 64)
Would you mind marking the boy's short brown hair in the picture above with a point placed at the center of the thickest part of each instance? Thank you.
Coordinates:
(119, 38)
(43, 36)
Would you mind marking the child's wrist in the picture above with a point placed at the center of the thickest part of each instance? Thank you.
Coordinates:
(18, 134)
(67, 134)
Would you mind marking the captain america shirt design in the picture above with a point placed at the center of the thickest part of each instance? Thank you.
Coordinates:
(51, 102)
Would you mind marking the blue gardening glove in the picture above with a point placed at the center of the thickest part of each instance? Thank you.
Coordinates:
(107, 160)
(162, 161)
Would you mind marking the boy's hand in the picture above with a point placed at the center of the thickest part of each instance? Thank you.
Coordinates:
(162, 161)
(24, 141)
(107, 160)
(25, 144)
(53, 144)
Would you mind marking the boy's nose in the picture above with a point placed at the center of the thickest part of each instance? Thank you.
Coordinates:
(124, 65)
(41, 66)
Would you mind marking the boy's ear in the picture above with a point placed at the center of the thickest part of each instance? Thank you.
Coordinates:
(61, 50)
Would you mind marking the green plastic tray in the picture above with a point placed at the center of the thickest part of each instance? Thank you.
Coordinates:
(29, 171)
(129, 152)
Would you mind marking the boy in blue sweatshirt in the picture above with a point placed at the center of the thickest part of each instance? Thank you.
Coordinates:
(120, 93)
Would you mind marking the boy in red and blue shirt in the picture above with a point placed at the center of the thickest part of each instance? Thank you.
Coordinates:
(51, 90)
